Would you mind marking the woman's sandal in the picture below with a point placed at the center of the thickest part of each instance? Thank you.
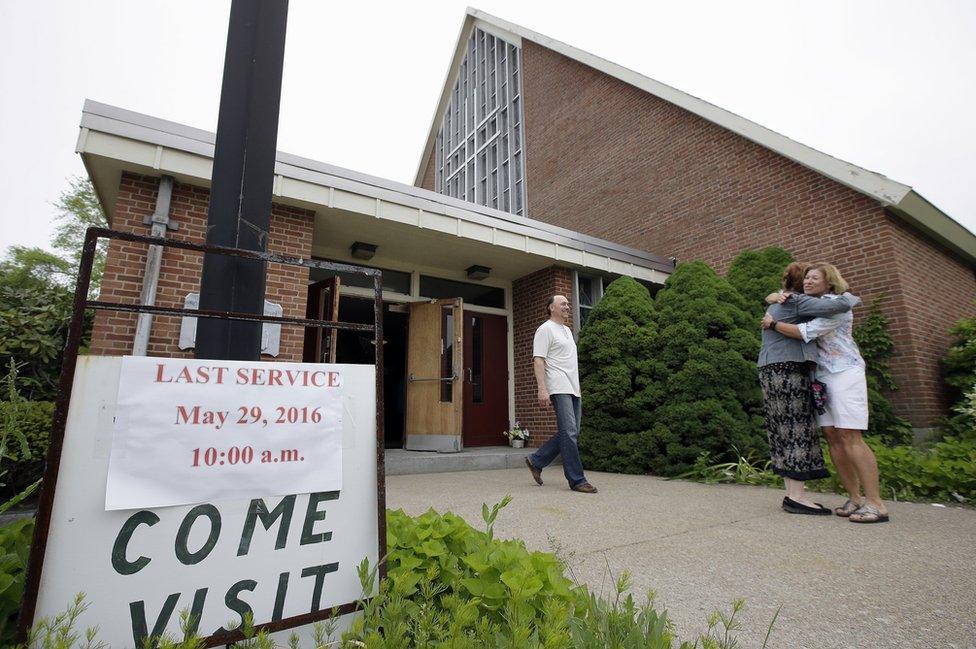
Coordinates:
(846, 509)
(868, 513)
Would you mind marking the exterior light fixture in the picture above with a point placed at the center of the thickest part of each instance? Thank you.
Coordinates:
(362, 250)
(478, 272)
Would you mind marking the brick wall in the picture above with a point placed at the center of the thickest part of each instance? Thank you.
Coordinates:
(612, 161)
(430, 174)
(529, 296)
(291, 234)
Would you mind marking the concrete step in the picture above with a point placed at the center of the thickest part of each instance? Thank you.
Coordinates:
(401, 462)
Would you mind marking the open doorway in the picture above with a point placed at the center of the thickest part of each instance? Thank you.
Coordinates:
(358, 347)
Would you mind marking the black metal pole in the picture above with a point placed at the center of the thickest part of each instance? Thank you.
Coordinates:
(243, 176)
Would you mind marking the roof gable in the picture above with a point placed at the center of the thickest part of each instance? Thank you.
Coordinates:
(900, 199)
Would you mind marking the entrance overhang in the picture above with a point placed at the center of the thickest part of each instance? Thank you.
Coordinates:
(410, 223)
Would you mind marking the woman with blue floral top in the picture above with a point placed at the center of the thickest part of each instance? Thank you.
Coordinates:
(841, 368)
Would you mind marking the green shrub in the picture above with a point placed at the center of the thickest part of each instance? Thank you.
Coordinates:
(440, 569)
(708, 343)
(945, 472)
(959, 368)
(664, 381)
(24, 466)
(621, 380)
(877, 347)
(33, 330)
(15, 540)
(756, 274)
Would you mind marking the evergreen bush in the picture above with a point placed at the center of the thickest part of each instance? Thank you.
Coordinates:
(757, 273)
(708, 343)
(620, 378)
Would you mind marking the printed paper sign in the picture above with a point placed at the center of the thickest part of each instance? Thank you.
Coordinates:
(190, 431)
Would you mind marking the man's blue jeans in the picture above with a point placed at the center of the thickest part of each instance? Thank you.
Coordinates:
(569, 412)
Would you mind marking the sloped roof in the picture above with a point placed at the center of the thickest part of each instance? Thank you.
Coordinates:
(112, 140)
(900, 199)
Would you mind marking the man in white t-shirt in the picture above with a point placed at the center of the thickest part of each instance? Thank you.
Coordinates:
(557, 376)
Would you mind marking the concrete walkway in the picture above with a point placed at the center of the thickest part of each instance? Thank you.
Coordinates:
(907, 584)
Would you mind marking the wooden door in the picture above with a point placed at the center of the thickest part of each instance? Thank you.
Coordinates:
(322, 304)
(485, 379)
(435, 355)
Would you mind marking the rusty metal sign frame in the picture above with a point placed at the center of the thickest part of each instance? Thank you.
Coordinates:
(82, 303)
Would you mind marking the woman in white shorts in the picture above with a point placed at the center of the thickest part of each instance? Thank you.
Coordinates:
(841, 368)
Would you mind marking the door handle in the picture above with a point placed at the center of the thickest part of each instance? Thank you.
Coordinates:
(413, 378)
(470, 376)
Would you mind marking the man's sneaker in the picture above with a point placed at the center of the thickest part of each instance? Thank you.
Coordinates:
(585, 488)
(536, 473)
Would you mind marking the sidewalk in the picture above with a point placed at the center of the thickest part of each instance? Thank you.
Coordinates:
(907, 584)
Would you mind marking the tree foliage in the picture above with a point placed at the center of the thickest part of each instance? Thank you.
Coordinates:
(757, 273)
(78, 209)
(37, 290)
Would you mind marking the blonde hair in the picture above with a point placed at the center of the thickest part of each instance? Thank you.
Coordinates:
(835, 282)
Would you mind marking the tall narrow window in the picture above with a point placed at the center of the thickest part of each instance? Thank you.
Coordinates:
(447, 354)
(478, 154)
(589, 290)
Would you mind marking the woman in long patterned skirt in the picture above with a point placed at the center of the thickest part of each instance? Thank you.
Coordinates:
(784, 375)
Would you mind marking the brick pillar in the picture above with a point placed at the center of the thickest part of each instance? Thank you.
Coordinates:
(112, 335)
(529, 297)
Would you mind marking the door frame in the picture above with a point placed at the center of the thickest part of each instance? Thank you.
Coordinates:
(391, 297)
(424, 403)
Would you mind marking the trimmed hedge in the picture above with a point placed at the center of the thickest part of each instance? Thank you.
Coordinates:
(666, 381)
(621, 378)
(757, 273)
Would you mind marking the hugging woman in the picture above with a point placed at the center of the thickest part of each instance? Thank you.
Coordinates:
(784, 375)
(841, 367)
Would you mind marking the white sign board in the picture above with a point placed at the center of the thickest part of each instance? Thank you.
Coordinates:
(191, 431)
(277, 556)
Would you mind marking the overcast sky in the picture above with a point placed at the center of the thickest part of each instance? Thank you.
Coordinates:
(887, 85)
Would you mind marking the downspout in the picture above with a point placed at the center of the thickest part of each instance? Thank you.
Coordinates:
(154, 257)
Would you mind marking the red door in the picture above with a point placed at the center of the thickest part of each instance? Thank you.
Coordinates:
(485, 379)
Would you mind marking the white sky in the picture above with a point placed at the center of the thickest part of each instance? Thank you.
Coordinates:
(888, 85)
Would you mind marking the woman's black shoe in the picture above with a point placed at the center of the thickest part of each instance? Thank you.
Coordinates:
(793, 507)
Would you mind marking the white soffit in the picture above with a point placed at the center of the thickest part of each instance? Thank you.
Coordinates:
(903, 201)
(145, 144)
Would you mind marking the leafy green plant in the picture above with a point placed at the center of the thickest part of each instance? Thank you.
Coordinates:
(28, 422)
(15, 540)
(33, 330)
(945, 472)
(959, 367)
(877, 347)
(744, 470)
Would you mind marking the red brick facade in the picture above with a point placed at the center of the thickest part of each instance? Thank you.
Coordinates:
(291, 234)
(609, 160)
(529, 297)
